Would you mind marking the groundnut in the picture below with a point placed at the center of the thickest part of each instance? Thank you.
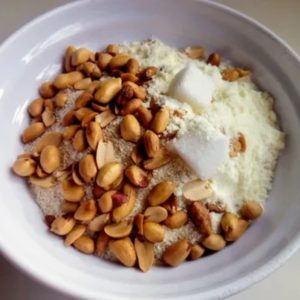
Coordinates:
(36, 107)
(214, 242)
(233, 227)
(196, 252)
(24, 166)
(80, 56)
(86, 211)
(160, 121)
(87, 168)
(32, 132)
(103, 60)
(62, 225)
(130, 129)
(75, 234)
(176, 220)
(66, 80)
(105, 203)
(161, 193)
(132, 66)
(123, 250)
(50, 159)
(251, 210)
(154, 232)
(61, 100)
(85, 244)
(47, 90)
(108, 174)
(112, 49)
(177, 253)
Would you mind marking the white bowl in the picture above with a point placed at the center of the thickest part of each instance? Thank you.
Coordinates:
(34, 54)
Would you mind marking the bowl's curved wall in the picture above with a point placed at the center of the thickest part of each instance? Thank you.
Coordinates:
(34, 54)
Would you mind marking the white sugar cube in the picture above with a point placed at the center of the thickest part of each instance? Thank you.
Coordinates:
(193, 86)
(202, 155)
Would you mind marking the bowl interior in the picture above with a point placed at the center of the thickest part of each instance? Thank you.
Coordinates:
(34, 54)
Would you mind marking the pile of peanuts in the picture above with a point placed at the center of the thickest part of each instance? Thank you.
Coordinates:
(113, 86)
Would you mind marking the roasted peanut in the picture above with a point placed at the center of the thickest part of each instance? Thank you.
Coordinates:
(123, 250)
(105, 153)
(47, 90)
(151, 143)
(160, 159)
(80, 56)
(82, 84)
(76, 232)
(105, 203)
(32, 132)
(103, 60)
(72, 192)
(131, 106)
(176, 220)
(68, 59)
(98, 223)
(61, 99)
(88, 168)
(70, 131)
(45, 182)
(36, 107)
(196, 252)
(177, 253)
(101, 243)
(144, 116)
(62, 226)
(195, 52)
(214, 59)
(214, 242)
(105, 118)
(91, 69)
(233, 227)
(155, 214)
(137, 176)
(251, 210)
(119, 61)
(200, 217)
(119, 230)
(48, 117)
(86, 211)
(109, 173)
(145, 254)
(197, 190)
(93, 134)
(154, 232)
(112, 49)
(108, 90)
(79, 141)
(230, 74)
(138, 91)
(68, 207)
(125, 209)
(85, 244)
(132, 66)
(148, 73)
(66, 80)
(161, 120)
(130, 129)
(69, 118)
(160, 193)
(24, 166)
(50, 159)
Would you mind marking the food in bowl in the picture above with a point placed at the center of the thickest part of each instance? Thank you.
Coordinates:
(145, 154)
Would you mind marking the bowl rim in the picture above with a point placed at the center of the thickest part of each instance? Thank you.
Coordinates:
(226, 290)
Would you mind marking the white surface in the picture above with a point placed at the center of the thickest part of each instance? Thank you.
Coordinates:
(275, 285)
